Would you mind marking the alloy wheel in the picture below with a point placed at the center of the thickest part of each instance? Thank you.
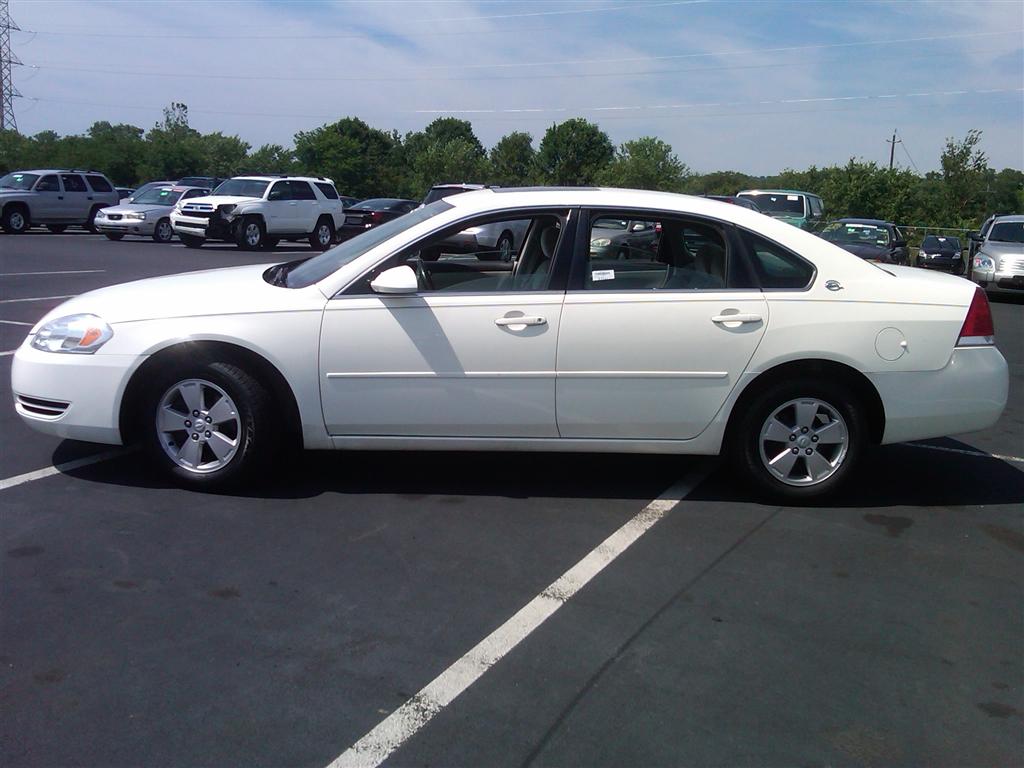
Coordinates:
(803, 442)
(198, 426)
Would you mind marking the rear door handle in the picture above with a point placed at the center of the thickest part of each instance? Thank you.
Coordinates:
(532, 320)
(737, 318)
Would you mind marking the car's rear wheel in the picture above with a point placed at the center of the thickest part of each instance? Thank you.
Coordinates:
(209, 424)
(192, 241)
(505, 246)
(56, 228)
(114, 235)
(322, 235)
(90, 223)
(958, 268)
(163, 232)
(800, 440)
(270, 242)
(15, 220)
(250, 234)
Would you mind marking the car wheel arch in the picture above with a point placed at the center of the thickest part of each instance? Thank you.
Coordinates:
(815, 368)
(220, 351)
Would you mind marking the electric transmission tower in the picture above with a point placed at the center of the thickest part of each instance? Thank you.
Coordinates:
(7, 59)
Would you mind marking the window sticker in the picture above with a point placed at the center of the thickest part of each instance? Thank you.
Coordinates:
(792, 197)
(602, 274)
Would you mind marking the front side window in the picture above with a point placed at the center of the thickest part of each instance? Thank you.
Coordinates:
(99, 184)
(776, 267)
(485, 257)
(667, 252)
(48, 184)
(280, 191)
(73, 182)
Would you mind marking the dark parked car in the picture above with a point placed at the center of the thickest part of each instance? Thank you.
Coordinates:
(743, 202)
(123, 192)
(347, 201)
(939, 252)
(369, 213)
(209, 182)
(613, 238)
(871, 239)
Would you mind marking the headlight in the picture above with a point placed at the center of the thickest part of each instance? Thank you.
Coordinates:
(924, 255)
(134, 216)
(78, 334)
(600, 242)
(984, 262)
(226, 210)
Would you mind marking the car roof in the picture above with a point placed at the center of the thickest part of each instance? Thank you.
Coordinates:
(857, 220)
(457, 185)
(271, 177)
(42, 171)
(776, 192)
(1012, 217)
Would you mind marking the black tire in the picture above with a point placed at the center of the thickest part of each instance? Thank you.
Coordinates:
(746, 448)
(90, 223)
(269, 243)
(192, 241)
(250, 233)
(16, 220)
(506, 246)
(163, 232)
(958, 268)
(322, 236)
(254, 432)
(114, 235)
(56, 228)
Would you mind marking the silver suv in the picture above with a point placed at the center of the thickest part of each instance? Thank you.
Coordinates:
(998, 266)
(54, 198)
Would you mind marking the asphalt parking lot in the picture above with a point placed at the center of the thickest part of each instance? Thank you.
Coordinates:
(141, 624)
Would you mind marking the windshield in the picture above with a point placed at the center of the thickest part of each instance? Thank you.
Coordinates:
(777, 202)
(1007, 232)
(158, 196)
(242, 188)
(437, 193)
(935, 244)
(319, 267)
(18, 180)
(378, 204)
(865, 234)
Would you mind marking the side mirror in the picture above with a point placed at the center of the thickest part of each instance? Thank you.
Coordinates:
(396, 281)
(639, 227)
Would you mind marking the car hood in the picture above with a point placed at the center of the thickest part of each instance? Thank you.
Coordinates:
(216, 200)
(229, 291)
(992, 248)
(865, 250)
(135, 208)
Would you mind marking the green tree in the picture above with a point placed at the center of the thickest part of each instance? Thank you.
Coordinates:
(454, 160)
(359, 159)
(223, 155)
(173, 148)
(964, 170)
(117, 150)
(514, 160)
(720, 183)
(14, 151)
(574, 153)
(646, 163)
(269, 158)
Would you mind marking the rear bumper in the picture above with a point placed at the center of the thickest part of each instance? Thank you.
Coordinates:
(967, 395)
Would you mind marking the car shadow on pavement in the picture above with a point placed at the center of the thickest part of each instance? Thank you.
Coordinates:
(308, 474)
(904, 475)
(895, 475)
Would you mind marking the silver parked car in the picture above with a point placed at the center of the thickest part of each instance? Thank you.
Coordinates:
(148, 214)
(998, 266)
(54, 198)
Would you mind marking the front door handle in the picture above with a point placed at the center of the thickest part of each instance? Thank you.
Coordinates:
(524, 321)
(737, 318)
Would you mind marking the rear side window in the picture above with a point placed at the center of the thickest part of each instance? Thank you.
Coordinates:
(48, 184)
(776, 267)
(99, 184)
(327, 190)
(301, 190)
(73, 183)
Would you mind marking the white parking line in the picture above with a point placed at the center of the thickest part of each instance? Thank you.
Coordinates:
(65, 272)
(375, 747)
(56, 469)
(38, 298)
(980, 454)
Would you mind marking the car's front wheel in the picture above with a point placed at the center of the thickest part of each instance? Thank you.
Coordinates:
(209, 424)
(163, 232)
(114, 235)
(15, 220)
(250, 233)
(800, 440)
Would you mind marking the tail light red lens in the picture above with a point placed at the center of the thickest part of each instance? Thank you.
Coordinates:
(978, 329)
(376, 217)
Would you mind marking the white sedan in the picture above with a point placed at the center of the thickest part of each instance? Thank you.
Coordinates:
(731, 332)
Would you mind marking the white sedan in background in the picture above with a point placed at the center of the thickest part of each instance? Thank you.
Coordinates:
(737, 333)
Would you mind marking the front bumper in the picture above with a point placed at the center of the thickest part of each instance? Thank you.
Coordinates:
(999, 282)
(126, 226)
(968, 394)
(216, 227)
(945, 263)
(77, 397)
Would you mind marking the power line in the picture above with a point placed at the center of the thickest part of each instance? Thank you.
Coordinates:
(906, 151)
(7, 59)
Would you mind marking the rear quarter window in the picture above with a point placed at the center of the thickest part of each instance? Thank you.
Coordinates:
(777, 268)
(327, 190)
(99, 184)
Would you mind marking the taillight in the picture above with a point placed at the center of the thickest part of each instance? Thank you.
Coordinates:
(376, 217)
(978, 329)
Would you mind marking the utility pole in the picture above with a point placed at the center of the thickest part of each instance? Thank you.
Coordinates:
(892, 149)
(7, 59)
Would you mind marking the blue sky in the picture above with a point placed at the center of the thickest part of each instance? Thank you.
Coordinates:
(731, 84)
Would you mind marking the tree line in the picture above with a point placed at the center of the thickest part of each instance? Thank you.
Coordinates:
(368, 162)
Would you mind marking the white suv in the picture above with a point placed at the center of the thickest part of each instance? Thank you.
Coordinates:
(258, 211)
